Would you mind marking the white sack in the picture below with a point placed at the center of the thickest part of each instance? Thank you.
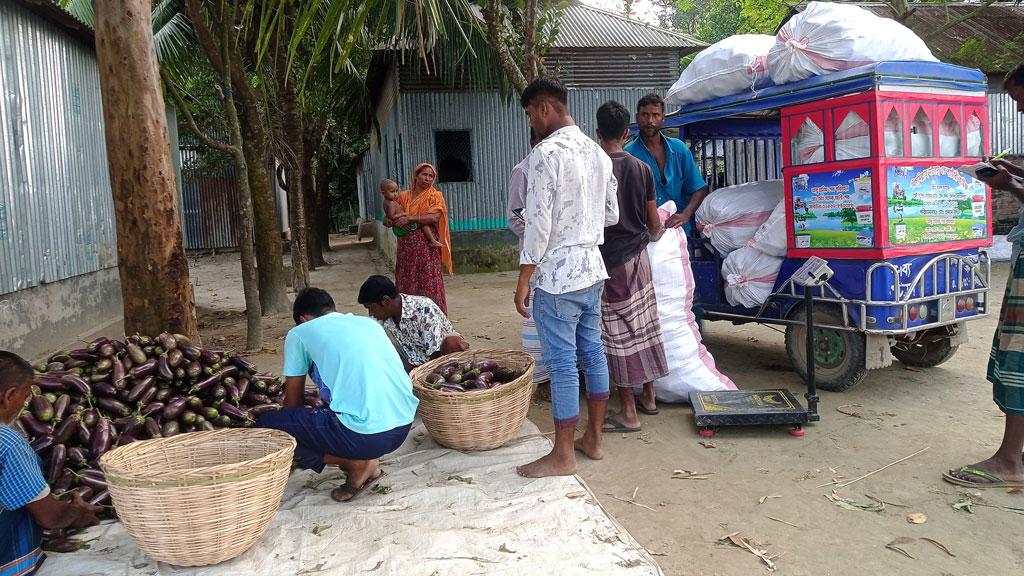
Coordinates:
(728, 67)
(808, 144)
(949, 137)
(691, 367)
(974, 147)
(730, 216)
(770, 238)
(853, 139)
(828, 37)
(921, 136)
(893, 134)
(749, 276)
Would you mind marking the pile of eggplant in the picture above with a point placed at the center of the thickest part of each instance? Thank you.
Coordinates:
(115, 392)
(466, 376)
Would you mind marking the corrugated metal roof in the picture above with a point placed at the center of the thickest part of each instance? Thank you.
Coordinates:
(588, 27)
(996, 27)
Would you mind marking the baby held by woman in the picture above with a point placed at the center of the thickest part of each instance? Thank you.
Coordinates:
(393, 210)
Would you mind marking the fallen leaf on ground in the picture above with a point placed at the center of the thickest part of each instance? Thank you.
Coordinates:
(964, 504)
(764, 498)
(912, 369)
(707, 444)
(752, 339)
(848, 504)
(380, 489)
(1014, 490)
(940, 546)
(461, 479)
(917, 517)
(895, 546)
(690, 475)
(377, 567)
(749, 546)
(319, 529)
(505, 549)
(846, 409)
(575, 494)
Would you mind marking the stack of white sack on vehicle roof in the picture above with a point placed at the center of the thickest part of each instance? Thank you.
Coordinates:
(691, 367)
(731, 66)
(829, 37)
(750, 276)
(730, 216)
(770, 238)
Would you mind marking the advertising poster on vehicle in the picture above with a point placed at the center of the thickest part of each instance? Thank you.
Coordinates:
(833, 209)
(934, 204)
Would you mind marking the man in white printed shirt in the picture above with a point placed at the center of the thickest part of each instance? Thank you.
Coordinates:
(571, 197)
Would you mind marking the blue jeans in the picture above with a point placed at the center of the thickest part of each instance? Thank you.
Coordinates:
(569, 328)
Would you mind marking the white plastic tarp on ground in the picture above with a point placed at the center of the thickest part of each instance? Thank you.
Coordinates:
(444, 512)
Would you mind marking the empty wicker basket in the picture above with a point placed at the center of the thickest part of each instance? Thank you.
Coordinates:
(201, 498)
(476, 419)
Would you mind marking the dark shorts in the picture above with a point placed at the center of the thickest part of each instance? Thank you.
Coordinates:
(319, 432)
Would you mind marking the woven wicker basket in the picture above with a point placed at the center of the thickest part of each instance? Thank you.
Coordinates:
(200, 498)
(477, 419)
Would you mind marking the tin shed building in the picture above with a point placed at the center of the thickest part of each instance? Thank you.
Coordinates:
(475, 134)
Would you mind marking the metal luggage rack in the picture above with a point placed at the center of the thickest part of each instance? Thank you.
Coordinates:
(913, 293)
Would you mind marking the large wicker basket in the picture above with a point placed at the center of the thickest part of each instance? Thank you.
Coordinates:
(477, 419)
(200, 498)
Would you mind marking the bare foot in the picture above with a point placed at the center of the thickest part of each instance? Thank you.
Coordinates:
(550, 465)
(435, 243)
(998, 467)
(590, 445)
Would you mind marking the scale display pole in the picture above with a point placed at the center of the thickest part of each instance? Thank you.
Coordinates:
(812, 392)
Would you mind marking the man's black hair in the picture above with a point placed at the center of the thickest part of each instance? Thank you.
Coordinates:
(545, 87)
(612, 119)
(649, 100)
(14, 371)
(1014, 78)
(375, 289)
(312, 301)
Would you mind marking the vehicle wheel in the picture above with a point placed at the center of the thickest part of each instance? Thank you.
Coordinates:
(926, 352)
(838, 356)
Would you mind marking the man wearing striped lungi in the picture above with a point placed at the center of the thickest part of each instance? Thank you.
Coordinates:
(631, 332)
(1006, 362)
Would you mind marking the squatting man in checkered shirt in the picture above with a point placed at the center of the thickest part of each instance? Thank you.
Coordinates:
(26, 505)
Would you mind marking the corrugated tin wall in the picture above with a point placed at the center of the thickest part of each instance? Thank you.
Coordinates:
(499, 139)
(614, 67)
(56, 209)
(1007, 124)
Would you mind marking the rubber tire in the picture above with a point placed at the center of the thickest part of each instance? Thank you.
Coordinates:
(926, 355)
(850, 372)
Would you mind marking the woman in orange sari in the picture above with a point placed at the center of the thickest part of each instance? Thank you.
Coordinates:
(418, 264)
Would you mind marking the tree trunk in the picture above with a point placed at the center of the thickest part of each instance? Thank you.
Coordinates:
(291, 128)
(155, 283)
(256, 146)
(323, 200)
(313, 208)
(493, 19)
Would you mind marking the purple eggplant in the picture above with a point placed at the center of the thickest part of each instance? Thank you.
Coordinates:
(67, 429)
(64, 481)
(233, 412)
(49, 384)
(84, 492)
(113, 407)
(84, 434)
(190, 351)
(167, 341)
(262, 409)
(145, 369)
(100, 499)
(41, 408)
(140, 388)
(33, 426)
(243, 363)
(130, 425)
(94, 346)
(149, 395)
(152, 428)
(152, 408)
(209, 357)
(55, 367)
(174, 408)
(103, 365)
(451, 388)
(163, 369)
(43, 443)
(83, 355)
(78, 457)
(100, 377)
(102, 438)
(243, 388)
(60, 407)
(175, 358)
(107, 350)
(55, 463)
(125, 439)
(232, 393)
(117, 374)
(135, 353)
(104, 390)
(170, 429)
(260, 399)
(77, 383)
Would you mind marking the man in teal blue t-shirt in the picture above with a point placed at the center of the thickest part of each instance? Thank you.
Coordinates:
(370, 405)
(676, 176)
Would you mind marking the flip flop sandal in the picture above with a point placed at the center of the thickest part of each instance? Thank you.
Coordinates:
(644, 410)
(355, 491)
(993, 480)
(617, 426)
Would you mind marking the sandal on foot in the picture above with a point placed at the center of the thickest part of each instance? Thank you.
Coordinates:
(354, 490)
(617, 426)
(992, 481)
(645, 410)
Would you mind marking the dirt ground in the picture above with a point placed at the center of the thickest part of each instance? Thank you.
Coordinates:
(895, 412)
